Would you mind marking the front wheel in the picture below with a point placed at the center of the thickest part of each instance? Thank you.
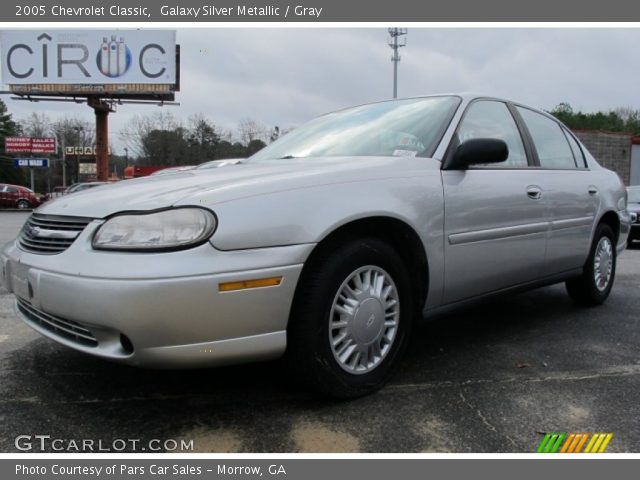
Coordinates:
(23, 204)
(594, 285)
(351, 318)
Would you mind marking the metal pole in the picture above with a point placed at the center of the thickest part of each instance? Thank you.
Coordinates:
(395, 66)
(33, 183)
(64, 165)
(395, 45)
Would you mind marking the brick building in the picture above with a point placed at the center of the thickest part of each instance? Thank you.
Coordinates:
(613, 150)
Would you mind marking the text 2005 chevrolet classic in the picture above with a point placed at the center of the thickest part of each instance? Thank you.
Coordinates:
(327, 245)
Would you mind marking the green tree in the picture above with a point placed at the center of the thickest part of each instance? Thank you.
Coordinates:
(202, 139)
(622, 119)
(9, 128)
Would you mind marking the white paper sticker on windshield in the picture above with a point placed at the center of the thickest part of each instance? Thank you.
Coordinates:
(404, 153)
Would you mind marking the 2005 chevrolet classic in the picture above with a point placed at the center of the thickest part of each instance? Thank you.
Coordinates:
(326, 245)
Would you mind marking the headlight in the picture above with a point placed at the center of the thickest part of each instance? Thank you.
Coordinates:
(160, 230)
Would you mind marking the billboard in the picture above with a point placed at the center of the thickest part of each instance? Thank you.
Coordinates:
(89, 61)
(29, 144)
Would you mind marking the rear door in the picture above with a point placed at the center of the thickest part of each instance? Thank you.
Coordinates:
(572, 197)
(495, 215)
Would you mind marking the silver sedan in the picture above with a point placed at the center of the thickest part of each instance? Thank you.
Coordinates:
(327, 245)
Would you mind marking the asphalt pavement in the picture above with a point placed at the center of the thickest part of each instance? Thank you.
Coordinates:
(491, 378)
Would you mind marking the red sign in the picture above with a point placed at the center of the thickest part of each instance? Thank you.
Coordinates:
(29, 145)
(43, 145)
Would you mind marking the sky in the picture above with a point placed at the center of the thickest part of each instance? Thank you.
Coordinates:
(286, 76)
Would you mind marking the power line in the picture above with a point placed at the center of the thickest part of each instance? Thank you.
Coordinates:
(396, 41)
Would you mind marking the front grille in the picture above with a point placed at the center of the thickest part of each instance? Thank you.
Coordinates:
(50, 234)
(62, 327)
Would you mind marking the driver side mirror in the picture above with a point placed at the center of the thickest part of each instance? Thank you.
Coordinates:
(477, 151)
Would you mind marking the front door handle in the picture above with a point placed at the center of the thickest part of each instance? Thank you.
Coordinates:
(592, 190)
(534, 192)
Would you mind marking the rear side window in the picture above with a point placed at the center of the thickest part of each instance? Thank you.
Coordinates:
(577, 151)
(550, 141)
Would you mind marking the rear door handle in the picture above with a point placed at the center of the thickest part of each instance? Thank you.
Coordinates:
(592, 190)
(534, 192)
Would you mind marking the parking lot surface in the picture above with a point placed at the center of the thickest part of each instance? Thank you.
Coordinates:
(491, 378)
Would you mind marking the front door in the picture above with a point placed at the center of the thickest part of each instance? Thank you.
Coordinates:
(495, 215)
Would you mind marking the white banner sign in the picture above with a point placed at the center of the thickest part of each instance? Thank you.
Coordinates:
(87, 169)
(99, 57)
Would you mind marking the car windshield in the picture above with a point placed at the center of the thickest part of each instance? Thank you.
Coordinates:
(634, 195)
(411, 127)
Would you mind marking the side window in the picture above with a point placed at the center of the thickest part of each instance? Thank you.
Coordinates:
(550, 142)
(491, 119)
(11, 189)
(577, 151)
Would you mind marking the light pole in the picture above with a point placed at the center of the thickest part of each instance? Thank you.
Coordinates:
(396, 42)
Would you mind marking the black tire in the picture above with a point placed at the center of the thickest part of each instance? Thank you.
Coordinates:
(583, 289)
(23, 204)
(309, 351)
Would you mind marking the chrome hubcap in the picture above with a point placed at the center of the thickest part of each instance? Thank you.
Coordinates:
(603, 263)
(364, 319)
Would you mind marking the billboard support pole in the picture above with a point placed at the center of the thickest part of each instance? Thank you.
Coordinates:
(64, 164)
(101, 110)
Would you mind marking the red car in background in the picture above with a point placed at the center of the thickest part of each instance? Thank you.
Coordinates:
(17, 196)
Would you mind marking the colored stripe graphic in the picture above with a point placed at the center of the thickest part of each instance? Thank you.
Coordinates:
(573, 442)
(551, 442)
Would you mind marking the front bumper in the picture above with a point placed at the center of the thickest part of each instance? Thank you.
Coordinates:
(634, 233)
(625, 230)
(166, 306)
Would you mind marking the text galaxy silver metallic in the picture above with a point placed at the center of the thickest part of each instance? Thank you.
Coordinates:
(240, 11)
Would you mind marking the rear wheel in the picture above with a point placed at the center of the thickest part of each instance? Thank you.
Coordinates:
(22, 204)
(594, 285)
(351, 318)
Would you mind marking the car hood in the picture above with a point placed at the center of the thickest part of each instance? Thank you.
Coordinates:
(633, 207)
(208, 187)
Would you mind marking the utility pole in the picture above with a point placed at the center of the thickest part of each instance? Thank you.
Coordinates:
(78, 129)
(396, 41)
(64, 163)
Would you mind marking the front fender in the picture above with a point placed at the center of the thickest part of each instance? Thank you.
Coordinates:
(308, 215)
